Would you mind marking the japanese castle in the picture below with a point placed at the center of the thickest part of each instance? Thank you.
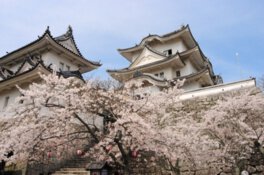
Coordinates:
(162, 59)
(44, 55)
(157, 60)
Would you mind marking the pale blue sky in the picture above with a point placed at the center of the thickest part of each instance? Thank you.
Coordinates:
(221, 27)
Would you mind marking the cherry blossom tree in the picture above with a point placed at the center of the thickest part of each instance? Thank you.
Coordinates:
(236, 124)
(127, 128)
(39, 122)
(59, 111)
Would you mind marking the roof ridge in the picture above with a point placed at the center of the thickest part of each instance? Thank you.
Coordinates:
(148, 64)
(31, 69)
(66, 36)
(151, 50)
(28, 60)
(48, 33)
(156, 35)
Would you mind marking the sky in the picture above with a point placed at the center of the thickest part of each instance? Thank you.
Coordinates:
(229, 32)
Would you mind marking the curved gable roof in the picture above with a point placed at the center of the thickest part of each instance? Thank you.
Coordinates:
(68, 36)
(10, 54)
(142, 60)
(33, 71)
(39, 65)
(44, 40)
(184, 33)
(169, 59)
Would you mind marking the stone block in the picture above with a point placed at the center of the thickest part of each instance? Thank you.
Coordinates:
(251, 169)
(260, 168)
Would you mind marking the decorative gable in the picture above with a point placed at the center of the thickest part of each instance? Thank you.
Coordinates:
(24, 67)
(28, 63)
(67, 41)
(147, 56)
(5, 73)
(69, 44)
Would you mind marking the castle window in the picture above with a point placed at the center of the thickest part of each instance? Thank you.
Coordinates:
(167, 52)
(6, 102)
(61, 66)
(68, 67)
(178, 73)
(161, 75)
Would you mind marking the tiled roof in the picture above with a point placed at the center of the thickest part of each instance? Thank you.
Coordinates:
(27, 71)
(147, 65)
(65, 74)
(66, 36)
(47, 33)
(168, 82)
(206, 69)
(27, 60)
(151, 76)
(158, 37)
(3, 74)
(29, 44)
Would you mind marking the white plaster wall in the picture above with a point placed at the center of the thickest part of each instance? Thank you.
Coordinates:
(48, 58)
(135, 55)
(69, 45)
(168, 73)
(147, 90)
(14, 67)
(12, 94)
(191, 86)
(187, 69)
(55, 59)
(146, 57)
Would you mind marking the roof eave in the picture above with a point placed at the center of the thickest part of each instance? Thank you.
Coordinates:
(24, 51)
(44, 41)
(146, 48)
(205, 73)
(24, 77)
(139, 46)
(45, 34)
(150, 65)
(121, 74)
(80, 58)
